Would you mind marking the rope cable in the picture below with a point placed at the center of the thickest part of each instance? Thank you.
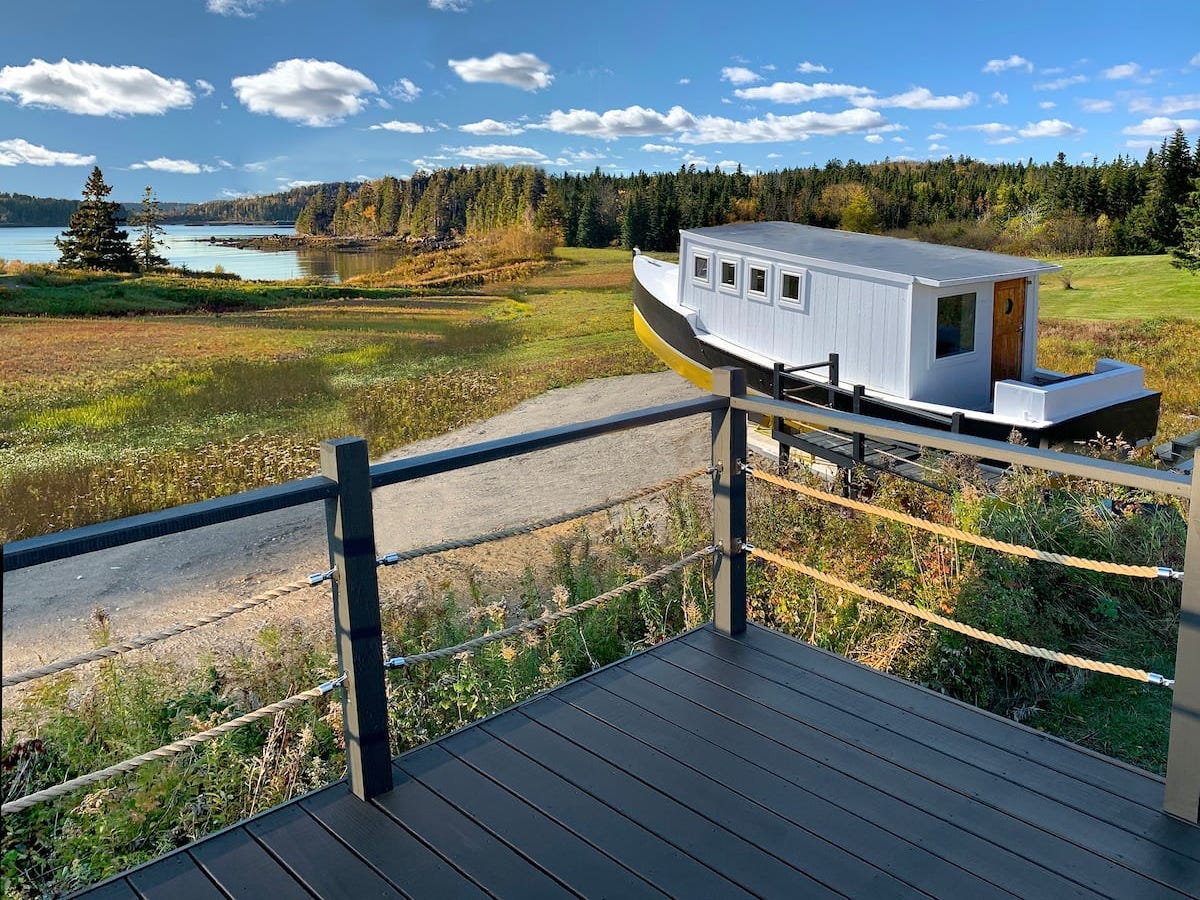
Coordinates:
(968, 630)
(958, 534)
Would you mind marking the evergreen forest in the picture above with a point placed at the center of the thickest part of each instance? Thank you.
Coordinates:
(1124, 206)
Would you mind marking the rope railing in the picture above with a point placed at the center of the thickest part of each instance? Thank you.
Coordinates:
(968, 630)
(390, 559)
(154, 637)
(183, 745)
(1077, 562)
(169, 750)
(548, 619)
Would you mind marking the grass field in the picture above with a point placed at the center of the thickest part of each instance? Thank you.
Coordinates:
(132, 413)
(1120, 287)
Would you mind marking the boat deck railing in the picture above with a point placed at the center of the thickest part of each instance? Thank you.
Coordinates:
(345, 487)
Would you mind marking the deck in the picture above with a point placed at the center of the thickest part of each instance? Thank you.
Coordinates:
(715, 767)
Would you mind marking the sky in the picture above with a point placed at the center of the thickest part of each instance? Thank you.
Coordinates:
(212, 99)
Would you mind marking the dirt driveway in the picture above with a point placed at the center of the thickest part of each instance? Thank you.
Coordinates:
(154, 583)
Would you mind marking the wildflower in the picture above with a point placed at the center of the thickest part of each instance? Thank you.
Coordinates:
(508, 652)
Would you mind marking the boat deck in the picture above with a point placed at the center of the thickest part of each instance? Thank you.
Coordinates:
(712, 766)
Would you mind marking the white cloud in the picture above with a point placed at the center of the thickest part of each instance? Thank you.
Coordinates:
(491, 127)
(403, 127)
(739, 75)
(1000, 97)
(874, 139)
(1011, 139)
(18, 152)
(1161, 126)
(808, 68)
(799, 92)
(995, 66)
(174, 166)
(244, 9)
(659, 148)
(520, 70)
(299, 184)
(1195, 61)
(1096, 106)
(449, 5)
(88, 89)
(1168, 106)
(938, 148)
(992, 128)
(1054, 70)
(936, 136)
(404, 91)
(1125, 70)
(1047, 104)
(310, 91)
(1049, 128)
(493, 152)
(715, 129)
(204, 87)
(917, 98)
(684, 81)
(1059, 83)
(633, 121)
(1142, 145)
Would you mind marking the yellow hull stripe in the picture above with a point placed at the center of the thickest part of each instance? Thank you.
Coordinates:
(697, 374)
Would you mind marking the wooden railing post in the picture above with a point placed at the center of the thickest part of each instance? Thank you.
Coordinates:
(729, 504)
(357, 628)
(1182, 796)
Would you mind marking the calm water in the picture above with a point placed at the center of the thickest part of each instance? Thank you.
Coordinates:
(189, 246)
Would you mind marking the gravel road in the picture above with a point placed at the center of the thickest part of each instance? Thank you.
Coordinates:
(151, 584)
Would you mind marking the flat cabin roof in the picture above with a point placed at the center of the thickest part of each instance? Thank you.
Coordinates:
(936, 265)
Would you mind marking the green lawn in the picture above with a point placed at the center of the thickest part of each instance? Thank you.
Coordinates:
(1120, 287)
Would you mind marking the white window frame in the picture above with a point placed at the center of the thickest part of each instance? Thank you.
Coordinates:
(763, 296)
(962, 356)
(736, 287)
(708, 258)
(799, 303)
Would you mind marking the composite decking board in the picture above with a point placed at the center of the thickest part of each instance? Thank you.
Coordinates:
(725, 851)
(1029, 776)
(399, 856)
(243, 869)
(821, 860)
(317, 859)
(556, 850)
(465, 843)
(660, 862)
(113, 890)
(808, 700)
(177, 877)
(860, 837)
(981, 863)
(1121, 779)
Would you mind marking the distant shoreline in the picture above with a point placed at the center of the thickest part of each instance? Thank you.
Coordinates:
(269, 242)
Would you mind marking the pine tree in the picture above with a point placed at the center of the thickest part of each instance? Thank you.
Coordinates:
(150, 232)
(1187, 254)
(92, 239)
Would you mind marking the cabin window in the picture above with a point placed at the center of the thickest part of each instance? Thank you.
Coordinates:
(758, 282)
(955, 325)
(728, 274)
(700, 268)
(791, 284)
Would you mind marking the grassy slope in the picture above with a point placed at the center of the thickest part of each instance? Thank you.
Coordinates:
(1120, 287)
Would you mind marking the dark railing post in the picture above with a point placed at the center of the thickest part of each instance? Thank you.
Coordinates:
(729, 504)
(785, 450)
(858, 441)
(357, 628)
(834, 376)
(1182, 797)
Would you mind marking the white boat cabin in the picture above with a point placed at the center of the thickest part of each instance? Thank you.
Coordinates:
(922, 322)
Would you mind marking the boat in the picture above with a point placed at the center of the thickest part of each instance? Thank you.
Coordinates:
(900, 329)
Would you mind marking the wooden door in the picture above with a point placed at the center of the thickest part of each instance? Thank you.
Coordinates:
(1008, 329)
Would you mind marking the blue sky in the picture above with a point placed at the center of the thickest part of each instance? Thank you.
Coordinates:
(207, 99)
